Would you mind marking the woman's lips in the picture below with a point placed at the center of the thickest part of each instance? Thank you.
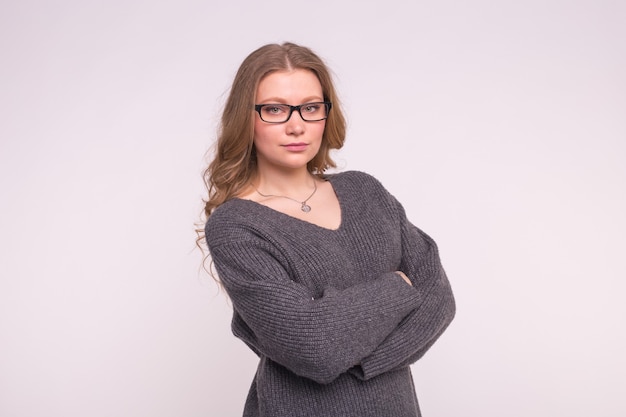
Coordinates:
(296, 147)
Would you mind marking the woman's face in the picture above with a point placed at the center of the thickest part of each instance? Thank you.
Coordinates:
(292, 144)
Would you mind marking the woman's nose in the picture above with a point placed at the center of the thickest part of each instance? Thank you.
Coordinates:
(295, 124)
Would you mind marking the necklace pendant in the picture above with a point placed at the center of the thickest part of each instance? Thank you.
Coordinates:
(305, 207)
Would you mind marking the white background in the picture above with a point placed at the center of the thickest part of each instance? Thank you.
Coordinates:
(501, 126)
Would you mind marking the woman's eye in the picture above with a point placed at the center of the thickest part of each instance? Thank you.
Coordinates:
(274, 109)
(311, 108)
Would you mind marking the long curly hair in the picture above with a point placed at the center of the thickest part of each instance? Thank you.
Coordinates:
(234, 158)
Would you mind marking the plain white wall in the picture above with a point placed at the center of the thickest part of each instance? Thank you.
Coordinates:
(500, 125)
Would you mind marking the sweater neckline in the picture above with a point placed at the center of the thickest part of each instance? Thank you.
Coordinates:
(330, 179)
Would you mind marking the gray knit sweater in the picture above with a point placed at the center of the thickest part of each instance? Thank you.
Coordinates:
(334, 327)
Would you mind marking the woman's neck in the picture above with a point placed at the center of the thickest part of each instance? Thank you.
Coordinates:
(284, 182)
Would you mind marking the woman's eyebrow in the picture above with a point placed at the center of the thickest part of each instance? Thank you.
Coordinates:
(279, 100)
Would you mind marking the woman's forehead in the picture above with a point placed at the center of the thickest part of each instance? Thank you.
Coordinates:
(288, 83)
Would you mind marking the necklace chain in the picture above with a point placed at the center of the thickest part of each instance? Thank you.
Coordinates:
(303, 205)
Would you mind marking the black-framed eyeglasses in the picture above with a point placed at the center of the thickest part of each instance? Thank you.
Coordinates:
(280, 113)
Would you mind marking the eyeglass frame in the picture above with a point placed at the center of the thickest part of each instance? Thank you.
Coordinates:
(328, 104)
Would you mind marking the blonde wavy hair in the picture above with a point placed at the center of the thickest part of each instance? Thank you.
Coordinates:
(234, 159)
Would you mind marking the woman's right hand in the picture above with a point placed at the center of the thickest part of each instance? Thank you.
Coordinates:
(404, 277)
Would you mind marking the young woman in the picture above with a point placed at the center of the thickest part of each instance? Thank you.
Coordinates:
(332, 287)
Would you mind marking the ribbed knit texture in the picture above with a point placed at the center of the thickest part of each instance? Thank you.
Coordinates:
(334, 327)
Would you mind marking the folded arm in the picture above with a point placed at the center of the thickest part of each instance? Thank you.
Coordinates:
(417, 332)
(318, 338)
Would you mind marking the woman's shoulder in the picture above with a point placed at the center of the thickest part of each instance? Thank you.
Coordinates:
(354, 185)
(354, 177)
(230, 221)
(357, 181)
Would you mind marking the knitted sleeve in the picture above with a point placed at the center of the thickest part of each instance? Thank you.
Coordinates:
(317, 338)
(421, 328)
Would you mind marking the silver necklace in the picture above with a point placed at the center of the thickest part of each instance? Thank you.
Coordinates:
(303, 205)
